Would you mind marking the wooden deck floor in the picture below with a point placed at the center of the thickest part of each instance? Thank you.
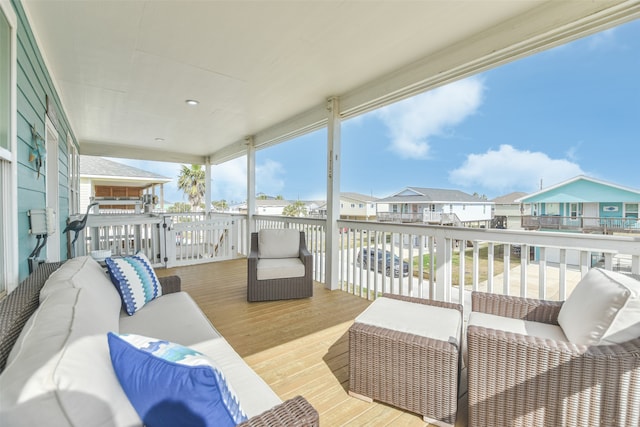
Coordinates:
(296, 346)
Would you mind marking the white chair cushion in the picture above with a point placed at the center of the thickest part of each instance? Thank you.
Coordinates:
(603, 309)
(279, 268)
(516, 326)
(428, 321)
(278, 243)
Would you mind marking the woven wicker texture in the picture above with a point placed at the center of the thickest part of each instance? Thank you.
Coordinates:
(411, 372)
(517, 380)
(19, 305)
(296, 412)
(170, 284)
(277, 289)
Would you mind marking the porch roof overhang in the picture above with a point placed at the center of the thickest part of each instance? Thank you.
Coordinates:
(123, 70)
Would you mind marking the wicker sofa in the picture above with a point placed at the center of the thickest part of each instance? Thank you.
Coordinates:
(279, 266)
(56, 370)
(528, 367)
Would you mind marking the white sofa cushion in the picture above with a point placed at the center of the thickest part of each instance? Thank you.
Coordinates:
(192, 328)
(254, 394)
(603, 309)
(174, 317)
(82, 272)
(278, 243)
(279, 268)
(424, 320)
(61, 374)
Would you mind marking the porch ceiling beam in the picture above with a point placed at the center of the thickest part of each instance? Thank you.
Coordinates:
(549, 25)
(95, 148)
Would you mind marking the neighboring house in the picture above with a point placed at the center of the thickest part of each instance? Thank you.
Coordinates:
(117, 186)
(507, 212)
(582, 204)
(268, 206)
(435, 206)
(352, 206)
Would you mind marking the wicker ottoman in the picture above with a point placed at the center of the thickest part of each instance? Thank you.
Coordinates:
(405, 352)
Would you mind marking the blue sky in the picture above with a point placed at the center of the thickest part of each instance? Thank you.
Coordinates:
(543, 119)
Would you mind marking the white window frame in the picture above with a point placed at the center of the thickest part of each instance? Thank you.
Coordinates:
(9, 271)
(74, 176)
(635, 211)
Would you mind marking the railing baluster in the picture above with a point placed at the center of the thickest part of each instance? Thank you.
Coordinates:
(506, 268)
(542, 273)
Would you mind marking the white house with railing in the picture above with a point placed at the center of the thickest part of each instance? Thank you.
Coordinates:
(435, 206)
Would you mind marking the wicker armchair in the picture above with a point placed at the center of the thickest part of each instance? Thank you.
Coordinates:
(277, 288)
(520, 380)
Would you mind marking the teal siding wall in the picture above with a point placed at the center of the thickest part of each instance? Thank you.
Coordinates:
(606, 213)
(34, 85)
(585, 191)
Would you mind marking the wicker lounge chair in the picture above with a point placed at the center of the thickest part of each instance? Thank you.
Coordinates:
(285, 246)
(519, 379)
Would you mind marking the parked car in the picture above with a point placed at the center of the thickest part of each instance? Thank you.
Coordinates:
(376, 257)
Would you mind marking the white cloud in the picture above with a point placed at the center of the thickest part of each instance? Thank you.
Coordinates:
(269, 178)
(414, 121)
(229, 180)
(509, 169)
(603, 39)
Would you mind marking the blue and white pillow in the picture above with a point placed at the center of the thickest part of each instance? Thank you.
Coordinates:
(135, 279)
(171, 385)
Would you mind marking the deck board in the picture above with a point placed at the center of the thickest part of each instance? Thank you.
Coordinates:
(299, 347)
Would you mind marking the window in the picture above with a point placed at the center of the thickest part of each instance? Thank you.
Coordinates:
(552, 209)
(353, 205)
(8, 168)
(360, 205)
(394, 208)
(575, 210)
(74, 177)
(631, 210)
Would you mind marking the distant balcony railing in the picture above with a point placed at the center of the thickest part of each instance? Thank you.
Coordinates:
(581, 223)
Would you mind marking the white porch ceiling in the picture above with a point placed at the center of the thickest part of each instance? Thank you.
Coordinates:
(123, 69)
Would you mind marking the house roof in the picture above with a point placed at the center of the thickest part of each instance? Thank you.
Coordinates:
(509, 199)
(583, 189)
(357, 196)
(124, 69)
(98, 167)
(430, 195)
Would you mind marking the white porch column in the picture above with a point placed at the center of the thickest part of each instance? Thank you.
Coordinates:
(207, 187)
(251, 189)
(334, 148)
(162, 197)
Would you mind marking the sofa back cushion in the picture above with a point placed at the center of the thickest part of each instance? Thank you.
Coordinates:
(278, 243)
(60, 372)
(603, 309)
(82, 272)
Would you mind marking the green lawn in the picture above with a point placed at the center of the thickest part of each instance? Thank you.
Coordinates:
(498, 264)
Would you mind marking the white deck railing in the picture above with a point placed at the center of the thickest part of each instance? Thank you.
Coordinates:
(443, 262)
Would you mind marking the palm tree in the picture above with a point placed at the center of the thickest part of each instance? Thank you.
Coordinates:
(295, 209)
(191, 181)
(220, 205)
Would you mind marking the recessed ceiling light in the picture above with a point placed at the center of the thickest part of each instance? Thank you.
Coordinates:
(159, 139)
(192, 102)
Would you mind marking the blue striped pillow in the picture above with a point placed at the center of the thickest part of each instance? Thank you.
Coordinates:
(172, 385)
(135, 280)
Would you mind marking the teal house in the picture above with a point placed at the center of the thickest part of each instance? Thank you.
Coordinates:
(583, 204)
